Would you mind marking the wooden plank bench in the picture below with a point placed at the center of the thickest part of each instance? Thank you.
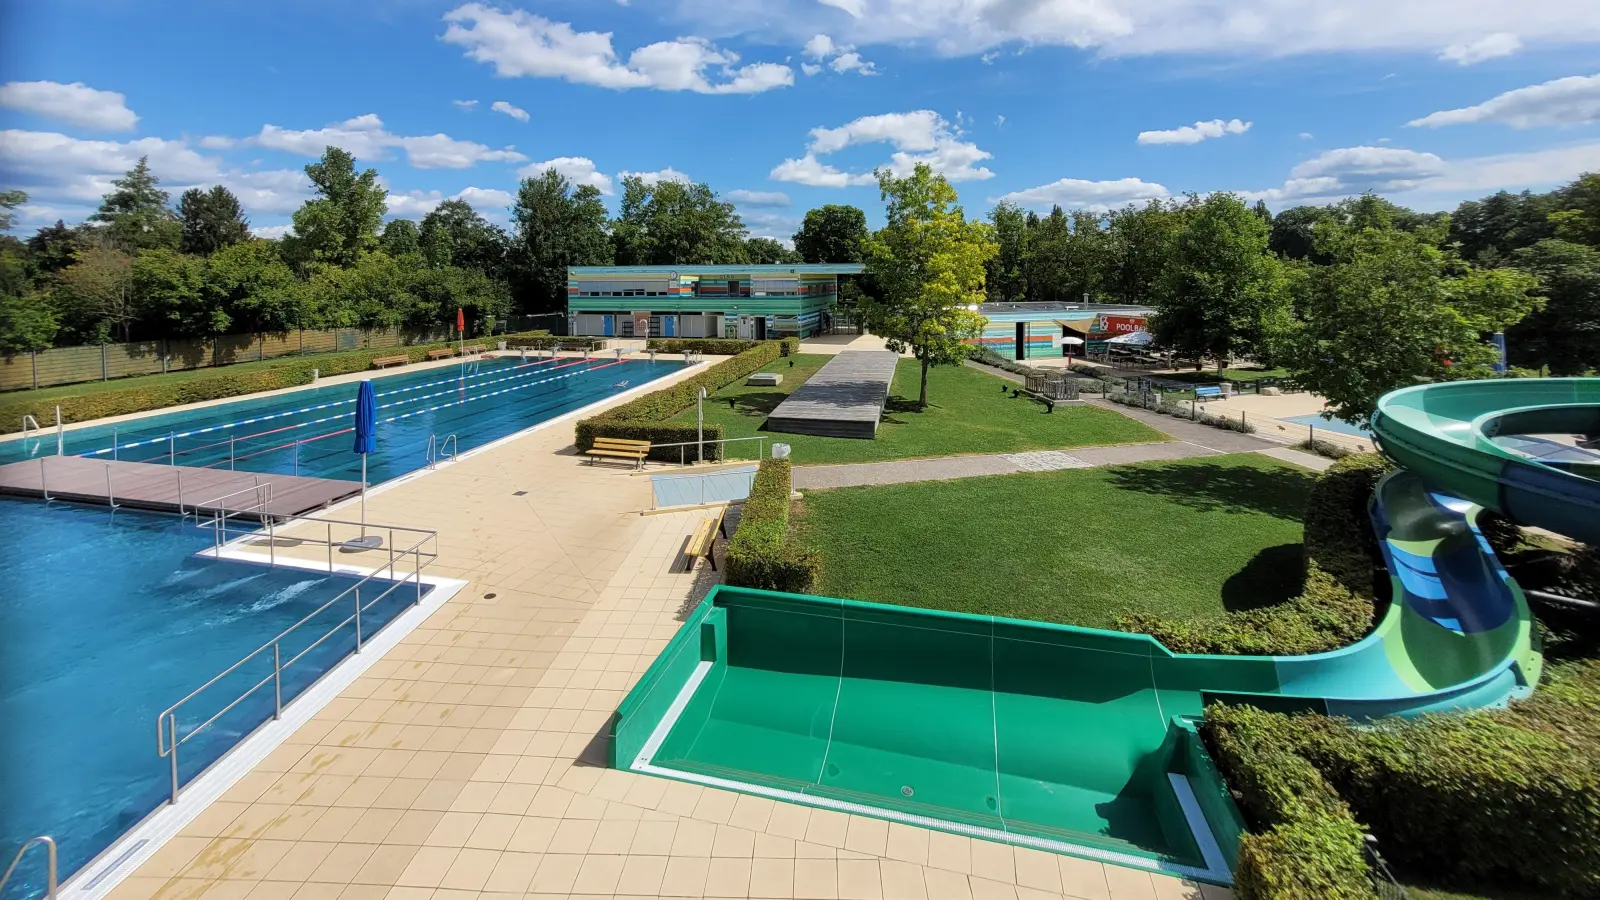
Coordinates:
(385, 361)
(703, 542)
(1209, 392)
(618, 448)
(475, 348)
(444, 353)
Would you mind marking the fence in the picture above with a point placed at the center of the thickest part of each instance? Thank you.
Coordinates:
(71, 365)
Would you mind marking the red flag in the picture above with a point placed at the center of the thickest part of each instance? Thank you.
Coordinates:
(461, 320)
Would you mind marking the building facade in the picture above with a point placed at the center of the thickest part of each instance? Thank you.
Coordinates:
(740, 301)
(1038, 327)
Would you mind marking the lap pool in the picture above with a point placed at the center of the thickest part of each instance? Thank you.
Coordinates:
(307, 432)
(107, 619)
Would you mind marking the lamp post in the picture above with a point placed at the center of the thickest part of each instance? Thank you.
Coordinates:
(700, 425)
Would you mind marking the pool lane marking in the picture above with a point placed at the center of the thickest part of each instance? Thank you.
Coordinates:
(278, 415)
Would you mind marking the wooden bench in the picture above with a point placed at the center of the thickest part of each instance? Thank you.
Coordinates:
(384, 361)
(445, 353)
(475, 348)
(1209, 392)
(618, 448)
(703, 542)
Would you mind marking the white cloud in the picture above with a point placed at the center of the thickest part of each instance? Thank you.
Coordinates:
(654, 178)
(274, 191)
(1076, 193)
(1564, 101)
(819, 47)
(999, 121)
(577, 169)
(468, 105)
(521, 44)
(485, 199)
(76, 104)
(1194, 134)
(1306, 135)
(271, 232)
(852, 62)
(1532, 169)
(810, 69)
(920, 136)
(988, 58)
(416, 204)
(1490, 46)
(217, 142)
(501, 106)
(855, 8)
(365, 137)
(845, 58)
(1353, 170)
(757, 198)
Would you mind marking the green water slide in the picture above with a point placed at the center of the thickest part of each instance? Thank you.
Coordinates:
(1082, 741)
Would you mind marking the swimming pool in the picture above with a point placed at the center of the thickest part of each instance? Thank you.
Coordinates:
(307, 432)
(107, 619)
(1339, 425)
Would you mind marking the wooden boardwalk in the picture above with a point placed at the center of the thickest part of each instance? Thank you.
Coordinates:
(169, 488)
(844, 399)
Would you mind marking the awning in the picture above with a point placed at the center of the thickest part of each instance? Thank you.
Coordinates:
(1135, 339)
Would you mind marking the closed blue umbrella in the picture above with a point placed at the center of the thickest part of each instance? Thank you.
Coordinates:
(366, 442)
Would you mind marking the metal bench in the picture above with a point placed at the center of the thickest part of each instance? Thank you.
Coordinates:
(1209, 392)
(703, 542)
(385, 361)
(618, 448)
(445, 353)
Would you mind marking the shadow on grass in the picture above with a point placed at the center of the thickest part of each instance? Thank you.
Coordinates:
(1273, 576)
(1278, 492)
(757, 404)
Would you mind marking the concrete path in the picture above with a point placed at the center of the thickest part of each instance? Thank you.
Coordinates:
(949, 467)
(1183, 430)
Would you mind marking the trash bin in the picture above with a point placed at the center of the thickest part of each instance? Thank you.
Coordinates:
(780, 451)
(1227, 388)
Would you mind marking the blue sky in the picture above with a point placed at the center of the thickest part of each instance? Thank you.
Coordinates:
(783, 105)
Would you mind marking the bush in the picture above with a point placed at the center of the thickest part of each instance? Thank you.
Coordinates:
(761, 555)
(1177, 410)
(542, 340)
(1334, 609)
(1327, 449)
(716, 346)
(645, 418)
(159, 393)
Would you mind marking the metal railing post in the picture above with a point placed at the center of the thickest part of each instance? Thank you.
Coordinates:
(61, 433)
(358, 619)
(111, 499)
(297, 457)
(179, 473)
(230, 453)
(115, 440)
(172, 725)
(277, 684)
(43, 487)
(51, 885)
(329, 543)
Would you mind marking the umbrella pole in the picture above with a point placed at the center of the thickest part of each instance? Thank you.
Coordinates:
(363, 495)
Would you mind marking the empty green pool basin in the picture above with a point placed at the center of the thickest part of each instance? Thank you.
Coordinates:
(1033, 734)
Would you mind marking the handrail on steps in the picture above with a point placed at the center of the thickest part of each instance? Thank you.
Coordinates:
(50, 863)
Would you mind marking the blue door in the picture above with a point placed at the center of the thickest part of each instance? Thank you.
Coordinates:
(669, 326)
(609, 329)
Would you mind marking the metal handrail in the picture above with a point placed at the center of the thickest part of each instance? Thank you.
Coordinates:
(50, 863)
(761, 452)
(421, 553)
(441, 450)
(702, 476)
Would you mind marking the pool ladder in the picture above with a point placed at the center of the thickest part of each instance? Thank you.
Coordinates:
(440, 450)
(50, 864)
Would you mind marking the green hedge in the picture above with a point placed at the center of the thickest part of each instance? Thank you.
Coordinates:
(761, 555)
(545, 342)
(712, 346)
(645, 418)
(1333, 610)
(159, 394)
(1507, 796)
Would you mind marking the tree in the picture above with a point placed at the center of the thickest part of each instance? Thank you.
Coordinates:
(257, 290)
(1007, 278)
(341, 222)
(1221, 288)
(28, 321)
(1141, 242)
(169, 296)
(453, 234)
(556, 225)
(96, 293)
(211, 220)
(833, 233)
(768, 252)
(928, 262)
(1394, 309)
(1565, 334)
(400, 237)
(439, 292)
(135, 213)
(373, 292)
(1294, 232)
(673, 223)
(1047, 253)
(54, 247)
(1488, 231)
(9, 201)
(1578, 219)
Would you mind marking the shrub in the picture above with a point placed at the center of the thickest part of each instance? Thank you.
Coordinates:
(717, 346)
(761, 554)
(160, 393)
(1335, 608)
(1326, 449)
(645, 418)
(542, 340)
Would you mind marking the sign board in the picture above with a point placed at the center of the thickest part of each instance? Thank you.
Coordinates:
(1115, 325)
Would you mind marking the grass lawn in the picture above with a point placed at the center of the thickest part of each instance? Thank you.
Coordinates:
(1422, 893)
(967, 413)
(1080, 547)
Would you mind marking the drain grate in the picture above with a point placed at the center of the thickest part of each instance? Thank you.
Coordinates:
(519, 493)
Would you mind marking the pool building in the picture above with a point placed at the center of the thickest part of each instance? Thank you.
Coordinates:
(1033, 330)
(736, 301)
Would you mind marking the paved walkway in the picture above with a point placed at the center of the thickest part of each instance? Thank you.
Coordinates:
(467, 764)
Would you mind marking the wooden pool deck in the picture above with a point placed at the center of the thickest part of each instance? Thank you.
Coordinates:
(169, 488)
(844, 399)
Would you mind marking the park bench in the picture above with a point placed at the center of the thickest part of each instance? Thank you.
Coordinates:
(704, 539)
(444, 353)
(385, 361)
(618, 448)
(475, 348)
(1209, 392)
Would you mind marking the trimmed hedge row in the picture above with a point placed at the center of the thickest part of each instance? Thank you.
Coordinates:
(1179, 411)
(760, 555)
(545, 341)
(712, 346)
(1334, 609)
(162, 394)
(1493, 796)
(645, 418)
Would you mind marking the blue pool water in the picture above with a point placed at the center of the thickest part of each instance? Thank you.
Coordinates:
(306, 432)
(1316, 421)
(106, 620)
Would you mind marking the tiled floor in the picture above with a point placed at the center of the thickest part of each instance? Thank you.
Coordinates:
(467, 763)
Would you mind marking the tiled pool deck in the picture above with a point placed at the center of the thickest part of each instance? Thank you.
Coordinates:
(466, 763)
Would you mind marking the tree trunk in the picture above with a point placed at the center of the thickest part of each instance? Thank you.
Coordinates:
(922, 399)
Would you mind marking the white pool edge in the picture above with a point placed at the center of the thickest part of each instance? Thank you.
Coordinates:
(102, 874)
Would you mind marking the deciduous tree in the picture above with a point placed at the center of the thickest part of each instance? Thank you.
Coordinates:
(1007, 279)
(211, 220)
(400, 237)
(832, 233)
(1565, 334)
(341, 222)
(454, 234)
(556, 225)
